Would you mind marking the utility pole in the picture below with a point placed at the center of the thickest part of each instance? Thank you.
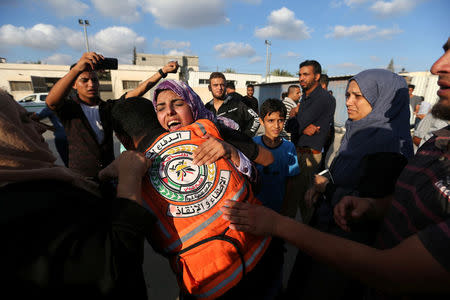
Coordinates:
(84, 24)
(268, 44)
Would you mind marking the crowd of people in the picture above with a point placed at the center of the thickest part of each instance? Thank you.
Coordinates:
(219, 200)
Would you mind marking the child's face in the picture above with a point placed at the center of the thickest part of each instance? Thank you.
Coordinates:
(172, 111)
(273, 124)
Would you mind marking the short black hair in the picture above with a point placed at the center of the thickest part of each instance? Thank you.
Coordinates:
(134, 118)
(251, 86)
(324, 79)
(291, 87)
(411, 86)
(230, 85)
(270, 106)
(216, 75)
(316, 66)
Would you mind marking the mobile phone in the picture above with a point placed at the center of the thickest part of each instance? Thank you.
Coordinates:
(107, 64)
(327, 174)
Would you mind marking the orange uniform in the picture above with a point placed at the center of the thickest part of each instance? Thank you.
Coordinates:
(207, 257)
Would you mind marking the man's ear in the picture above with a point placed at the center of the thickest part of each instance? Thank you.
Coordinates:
(261, 121)
(316, 77)
(209, 87)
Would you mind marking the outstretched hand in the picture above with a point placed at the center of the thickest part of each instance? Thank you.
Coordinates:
(251, 218)
(352, 209)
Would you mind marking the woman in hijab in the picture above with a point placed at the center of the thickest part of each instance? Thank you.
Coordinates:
(377, 106)
(60, 239)
(177, 105)
(373, 152)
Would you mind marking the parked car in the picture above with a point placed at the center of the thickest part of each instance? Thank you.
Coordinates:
(34, 102)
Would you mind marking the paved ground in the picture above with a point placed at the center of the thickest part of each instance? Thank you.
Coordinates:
(161, 283)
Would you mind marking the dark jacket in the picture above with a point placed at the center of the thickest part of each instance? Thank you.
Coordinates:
(318, 109)
(86, 155)
(251, 102)
(237, 111)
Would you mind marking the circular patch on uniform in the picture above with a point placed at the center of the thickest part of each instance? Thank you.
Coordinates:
(177, 179)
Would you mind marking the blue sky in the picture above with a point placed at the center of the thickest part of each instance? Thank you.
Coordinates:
(345, 36)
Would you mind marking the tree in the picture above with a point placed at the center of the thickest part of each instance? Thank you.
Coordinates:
(229, 70)
(391, 67)
(280, 72)
(134, 55)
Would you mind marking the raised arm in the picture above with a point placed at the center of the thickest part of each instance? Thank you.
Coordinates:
(62, 88)
(145, 86)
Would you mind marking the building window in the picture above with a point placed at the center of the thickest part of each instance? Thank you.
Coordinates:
(250, 82)
(144, 59)
(20, 85)
(130, 84)
(203, 81)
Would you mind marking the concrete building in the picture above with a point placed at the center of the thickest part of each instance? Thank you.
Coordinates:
(21, 80)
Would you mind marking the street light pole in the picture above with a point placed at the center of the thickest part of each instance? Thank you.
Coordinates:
(84, 24)
(268, 44)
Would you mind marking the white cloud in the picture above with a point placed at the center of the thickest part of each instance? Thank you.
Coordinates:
(352, 3)
(355, 31)
(393, 8)
(112, 41)
(117, 42)
(58, 59)
(388, 33)
(68, 7)
(180, 14)
(176, 52)
(283, 25)
(255, 59)
(363, 32)
(170, 44)
(127, 11)
(291, 54)
(233, 49)
(374, 58)
(40, 36)
(335, 3)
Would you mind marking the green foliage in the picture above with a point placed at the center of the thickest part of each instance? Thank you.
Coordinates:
(280, 72)
(229, 70)
(391, 67)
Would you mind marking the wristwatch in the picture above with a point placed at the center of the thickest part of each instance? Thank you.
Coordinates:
(163, 75)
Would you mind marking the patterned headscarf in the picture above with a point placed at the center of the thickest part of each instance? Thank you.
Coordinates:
(198, 109)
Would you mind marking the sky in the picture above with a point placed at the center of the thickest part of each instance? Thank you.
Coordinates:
(345, 36)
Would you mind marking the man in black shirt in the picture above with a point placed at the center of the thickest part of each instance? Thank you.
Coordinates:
(310, 121)
(249, 100)
(229, 107)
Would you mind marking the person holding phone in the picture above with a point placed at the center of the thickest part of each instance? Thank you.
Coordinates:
(85, 117)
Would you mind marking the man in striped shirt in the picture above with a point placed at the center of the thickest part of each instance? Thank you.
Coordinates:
(293, 96)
